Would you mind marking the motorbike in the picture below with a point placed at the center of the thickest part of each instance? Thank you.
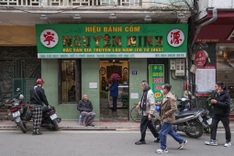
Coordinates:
(17, 111)
(187, 121)
(204, 118)
(22, 114)
(50, 118)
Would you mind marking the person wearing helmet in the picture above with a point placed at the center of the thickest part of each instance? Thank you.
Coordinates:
(37, 100)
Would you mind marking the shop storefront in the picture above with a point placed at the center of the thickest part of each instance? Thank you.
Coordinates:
(214, 54)
(80, 59)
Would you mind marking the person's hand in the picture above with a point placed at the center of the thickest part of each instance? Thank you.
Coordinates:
(149, 117)
(137, 107)
(213, 101)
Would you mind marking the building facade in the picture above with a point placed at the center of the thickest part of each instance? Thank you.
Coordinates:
(76, 46)
(213, 47)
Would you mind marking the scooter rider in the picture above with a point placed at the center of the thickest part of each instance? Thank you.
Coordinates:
(37, 100)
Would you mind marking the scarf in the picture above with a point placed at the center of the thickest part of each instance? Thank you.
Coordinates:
(144, 99)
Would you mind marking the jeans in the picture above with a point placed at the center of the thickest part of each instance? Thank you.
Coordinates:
(214, 126)
(167, 129)
(147, 123)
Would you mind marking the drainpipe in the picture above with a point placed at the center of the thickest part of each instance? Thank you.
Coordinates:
(214, 18)
(211, 20)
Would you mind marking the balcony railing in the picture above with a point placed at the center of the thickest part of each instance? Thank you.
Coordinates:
(76, 3)
(69, 3)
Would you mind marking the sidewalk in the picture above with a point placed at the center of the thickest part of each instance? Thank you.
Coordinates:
(108, 125)
(73, 125)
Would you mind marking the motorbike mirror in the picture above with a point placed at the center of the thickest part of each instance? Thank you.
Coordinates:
(7, 101)
(21, 97)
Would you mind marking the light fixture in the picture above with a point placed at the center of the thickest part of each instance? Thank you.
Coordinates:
(180, 15)
(43, 17)
(147, 19)
(112, 16)
(77, 17)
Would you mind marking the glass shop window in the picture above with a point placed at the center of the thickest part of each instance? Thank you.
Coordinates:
(69, 81)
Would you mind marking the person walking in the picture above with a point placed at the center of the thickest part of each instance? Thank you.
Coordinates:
(37, 100)
(147, 105)
(85, 107)
(167, 117)
(221, 103)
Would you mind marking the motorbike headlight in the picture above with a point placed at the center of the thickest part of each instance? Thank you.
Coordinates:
(183, 99)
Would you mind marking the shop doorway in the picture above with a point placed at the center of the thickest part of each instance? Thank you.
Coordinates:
(117, 69)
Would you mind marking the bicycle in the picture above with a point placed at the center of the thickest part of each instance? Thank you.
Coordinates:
(136, 114)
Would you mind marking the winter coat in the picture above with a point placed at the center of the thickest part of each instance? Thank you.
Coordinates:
(114, 89)
(222, 107)
(84, 106)
(37, 96)
(168, 108)
(150, 104)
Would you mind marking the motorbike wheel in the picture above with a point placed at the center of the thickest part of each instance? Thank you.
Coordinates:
(22, 126)
(198, 130)
(56, 125)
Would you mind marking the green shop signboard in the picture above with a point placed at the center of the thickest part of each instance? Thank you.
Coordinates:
(112, 40)
(156, 79)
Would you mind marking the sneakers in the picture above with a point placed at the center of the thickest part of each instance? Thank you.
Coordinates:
(182, 144)
(227, 144)
(161, 151)
(211, 143)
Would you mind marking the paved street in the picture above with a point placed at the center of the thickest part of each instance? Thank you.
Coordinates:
(100, 143)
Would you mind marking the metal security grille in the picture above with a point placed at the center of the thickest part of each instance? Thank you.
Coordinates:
(17, 62)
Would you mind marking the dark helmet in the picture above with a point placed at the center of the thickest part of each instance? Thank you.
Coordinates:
(40, 81)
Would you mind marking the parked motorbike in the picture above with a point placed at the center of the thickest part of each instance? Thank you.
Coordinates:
(204, 118)
(187, 121)
(17, 111)
(50, 118)
(22, 114)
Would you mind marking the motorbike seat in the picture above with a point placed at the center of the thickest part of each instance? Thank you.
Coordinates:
(185, 113)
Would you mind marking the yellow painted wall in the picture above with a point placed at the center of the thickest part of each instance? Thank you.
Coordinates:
(17, 36)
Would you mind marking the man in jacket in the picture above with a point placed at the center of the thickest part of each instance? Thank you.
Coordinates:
(147, 105)
(221, 103)
(167, 116)
(85, 107)
(37, 99)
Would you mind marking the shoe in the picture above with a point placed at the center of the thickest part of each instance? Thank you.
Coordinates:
(157, 140)
(140, 142)
(227, 144)
(161, 151)
(182, 144)
(91, 125)
(36, 133)
(211, 143)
